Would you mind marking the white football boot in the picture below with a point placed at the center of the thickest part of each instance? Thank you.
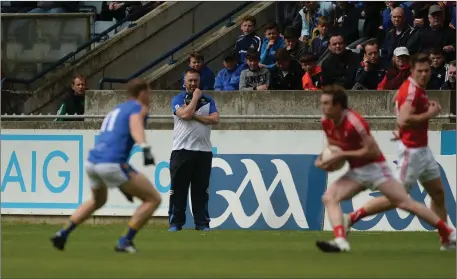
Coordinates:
(336, 245)
(450, 245)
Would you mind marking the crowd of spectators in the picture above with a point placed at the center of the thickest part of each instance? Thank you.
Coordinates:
(305, 33)
(306, 47)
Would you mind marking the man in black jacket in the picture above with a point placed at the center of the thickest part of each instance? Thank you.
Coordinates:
(73, 102)
(400, 35)
(341, 66)
(287, 73)
(370, 73)
(438, 35)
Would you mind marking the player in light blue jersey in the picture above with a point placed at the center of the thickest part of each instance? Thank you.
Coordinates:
(107, 167)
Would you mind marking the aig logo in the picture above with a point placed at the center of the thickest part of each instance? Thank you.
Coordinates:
(266, 192)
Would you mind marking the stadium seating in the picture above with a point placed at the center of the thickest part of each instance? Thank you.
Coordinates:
(160, 30)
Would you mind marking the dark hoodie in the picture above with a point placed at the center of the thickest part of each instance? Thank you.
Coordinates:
(340, 69)
(437, 78)
(71, 105)
(370, 79)
(291, 80)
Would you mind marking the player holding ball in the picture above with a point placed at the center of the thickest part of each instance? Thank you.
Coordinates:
(368, 169)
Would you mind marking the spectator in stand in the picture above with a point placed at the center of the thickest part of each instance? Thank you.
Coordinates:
(74, 99)
(371, 14)
(346, 21)
(307, 20)
(248, 39)
(370, 73)
(437, 35)
(340, 67)
(228, 79)
(295, 47)
(439, 69)
(196, 62)
(255, 77)
(320, 43)
(386, 14)
(286, 12)
(420, 13)
(271, 43)
(399, 72)
(450, 83)
(401, 34)
(286, 74)
(312, 79)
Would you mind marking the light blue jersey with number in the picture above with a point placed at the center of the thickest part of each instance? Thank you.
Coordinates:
(115, 141)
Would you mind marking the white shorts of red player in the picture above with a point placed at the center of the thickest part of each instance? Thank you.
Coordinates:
(371, 175)
(415, 164)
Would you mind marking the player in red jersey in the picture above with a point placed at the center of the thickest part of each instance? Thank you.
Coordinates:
(416, 160)
(346, 129)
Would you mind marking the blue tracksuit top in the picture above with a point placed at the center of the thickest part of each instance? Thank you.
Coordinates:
(229, 80)
(267, 56)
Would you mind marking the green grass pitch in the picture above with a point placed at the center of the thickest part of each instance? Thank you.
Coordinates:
(27, 253)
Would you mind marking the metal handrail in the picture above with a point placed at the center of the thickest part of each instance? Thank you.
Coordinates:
(71, 54)
(176, 49)
(167, 116)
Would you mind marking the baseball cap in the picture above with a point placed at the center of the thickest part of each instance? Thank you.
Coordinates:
(399, 51)
(434, 9)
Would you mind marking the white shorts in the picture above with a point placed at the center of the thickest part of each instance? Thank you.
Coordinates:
(111, 175)
(415, 164)
(370, 176)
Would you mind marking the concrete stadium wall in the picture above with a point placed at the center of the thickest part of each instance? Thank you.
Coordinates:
(156, 33)
(263, 103)
(100, 102)
(380, 125)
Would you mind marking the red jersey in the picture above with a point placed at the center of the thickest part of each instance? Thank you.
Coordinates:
(349, 135)
(411, 92)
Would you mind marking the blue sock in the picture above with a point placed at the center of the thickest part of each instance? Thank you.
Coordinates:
(66, 231)
(130, 234)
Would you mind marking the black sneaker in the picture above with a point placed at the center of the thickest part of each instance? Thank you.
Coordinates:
(58, 241)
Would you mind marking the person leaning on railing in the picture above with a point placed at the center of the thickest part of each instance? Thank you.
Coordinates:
(73, 102)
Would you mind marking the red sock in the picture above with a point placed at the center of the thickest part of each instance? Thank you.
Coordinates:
(339, 231)
(443, 230)
(357, 215)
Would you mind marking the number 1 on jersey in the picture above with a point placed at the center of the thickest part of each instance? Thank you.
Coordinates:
(110, 120)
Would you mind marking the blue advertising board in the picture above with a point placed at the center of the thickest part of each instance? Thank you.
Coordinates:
(53, 161)
(265, 192)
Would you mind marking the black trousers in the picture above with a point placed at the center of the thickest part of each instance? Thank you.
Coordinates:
(189, 168)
